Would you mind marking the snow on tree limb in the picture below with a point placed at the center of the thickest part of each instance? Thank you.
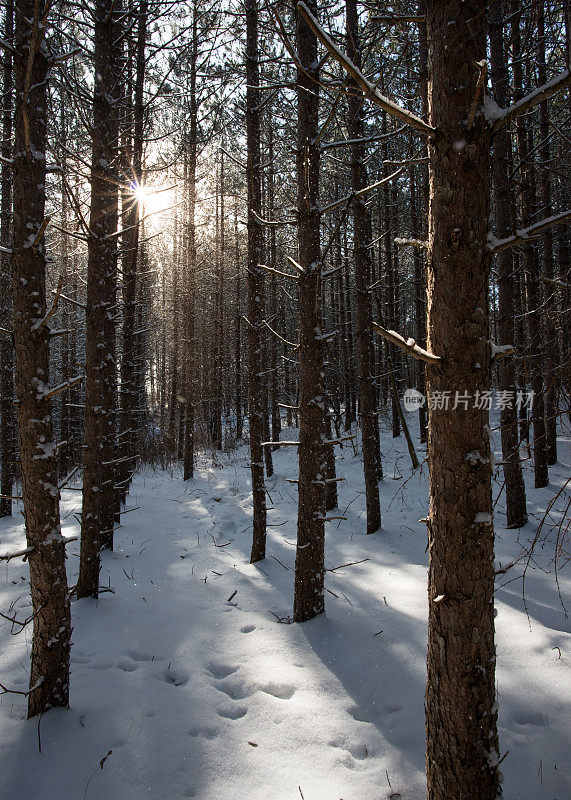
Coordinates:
(420, 243)
(500, 117)
(496, 245)
(408, 345)
(366, 86)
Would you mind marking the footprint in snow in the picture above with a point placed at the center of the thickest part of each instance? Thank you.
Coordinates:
(235, 712)
(248, 628)
(176, 677)
(221, 670)
(127, 666)
(233, 690)
(283, 691)
(139, 655)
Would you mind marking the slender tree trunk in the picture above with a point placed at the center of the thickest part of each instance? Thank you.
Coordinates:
(362, 250)
(515, 487)
(97, 518)
(7, 422)
(551, 354)
(219, 332)
(461, 717)
(129, 419)
(256, 385)
(238, 332)
(309, 561)
(49, 674)
(534, 359)
(190, 264)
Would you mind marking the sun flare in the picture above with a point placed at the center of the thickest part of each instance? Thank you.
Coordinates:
(154, 201)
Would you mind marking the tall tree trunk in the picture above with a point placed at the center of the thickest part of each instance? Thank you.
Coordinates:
(461, 717)
(219, 322)
(515, 487)
(309, 561)
(362, 250)
(130, 419)
(7, 426)
(190, 263)
(256, 384)
(534, 359)
(238, 331)
(97, 519)
(551, 354)
(49, 674)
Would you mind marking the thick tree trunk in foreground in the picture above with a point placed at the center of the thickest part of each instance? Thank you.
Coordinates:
(97, 519)
(309, 561)
(515, 487)
(7, 427)
(256, 385)
(461, 718)
(361, 228)
(49, 675)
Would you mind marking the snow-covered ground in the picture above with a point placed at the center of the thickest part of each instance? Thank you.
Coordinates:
(196, 695)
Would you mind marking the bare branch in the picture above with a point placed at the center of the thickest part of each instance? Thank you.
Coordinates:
(540, 94)
(371, 91)
(409, 346)
(498, 245)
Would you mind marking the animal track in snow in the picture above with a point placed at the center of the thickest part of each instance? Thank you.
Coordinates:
(233, 690)
(127, 666)
(357, 750)
(176, 677)
(233, 712)
(221, 670)
(139, 655)
(283, 691)
(248, 628)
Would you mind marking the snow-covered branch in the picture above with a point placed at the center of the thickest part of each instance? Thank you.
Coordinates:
(496, 245)
(408, 345)
(420, 243)
(501, 116)
(369, 89)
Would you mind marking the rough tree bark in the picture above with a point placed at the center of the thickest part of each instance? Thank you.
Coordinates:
(461, 716)
(362, 255)
(7, 427)
(309, 561)
(255, 284)
(97, 519)
(49, 674)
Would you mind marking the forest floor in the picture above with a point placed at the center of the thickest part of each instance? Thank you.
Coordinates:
(196, 695)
